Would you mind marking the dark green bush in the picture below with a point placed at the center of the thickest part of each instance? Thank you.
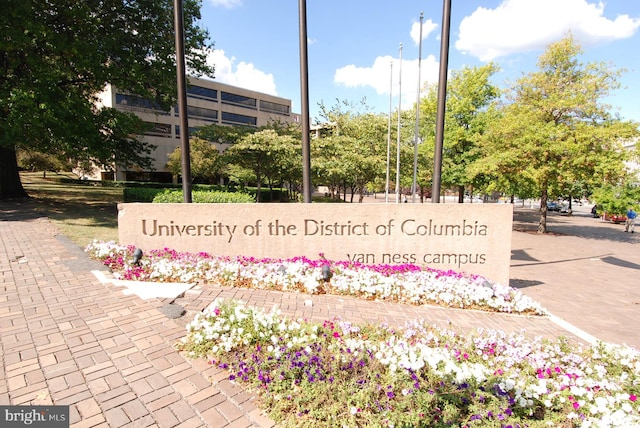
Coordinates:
(204, 197)
(140, 194)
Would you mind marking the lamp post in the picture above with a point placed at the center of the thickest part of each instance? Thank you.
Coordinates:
(416, 133)
(182, 101)
(386, 182)
(442, 96)
(304, 90)
(398, 141)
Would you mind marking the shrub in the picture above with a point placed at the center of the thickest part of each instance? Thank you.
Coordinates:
(204, 197)
(140, 194)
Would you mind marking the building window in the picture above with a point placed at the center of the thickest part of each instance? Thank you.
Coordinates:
(192, 130)
(158, 129)
(274, 107)
(201, 92)
(136, 103)
(199, 113)
(238, 100)
(238, 119)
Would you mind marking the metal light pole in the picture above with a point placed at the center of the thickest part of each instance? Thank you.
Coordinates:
(442, 101)
(416, 132)
(182, 101)
(398, 142)
(386, 183)
(304, 90)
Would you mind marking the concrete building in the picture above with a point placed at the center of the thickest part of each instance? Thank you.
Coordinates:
(208, 102)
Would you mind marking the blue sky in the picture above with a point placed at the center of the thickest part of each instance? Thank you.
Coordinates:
(352, 44)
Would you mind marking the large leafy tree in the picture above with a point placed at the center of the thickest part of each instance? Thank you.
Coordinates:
(205, 160)
(555, 130)
(352, 153)
(470, 94)
(56, 56)
(267, 154)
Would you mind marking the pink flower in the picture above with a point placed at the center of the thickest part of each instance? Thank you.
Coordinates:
(633, 397)
(576, 405)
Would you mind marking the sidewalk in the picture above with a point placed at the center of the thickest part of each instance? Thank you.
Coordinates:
(67, 338)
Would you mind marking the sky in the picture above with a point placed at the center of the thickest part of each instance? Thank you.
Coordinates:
(353, 46)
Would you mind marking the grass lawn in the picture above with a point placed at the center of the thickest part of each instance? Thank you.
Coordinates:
(83, 212)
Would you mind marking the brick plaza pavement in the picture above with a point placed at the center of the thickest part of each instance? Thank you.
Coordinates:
(66, 338)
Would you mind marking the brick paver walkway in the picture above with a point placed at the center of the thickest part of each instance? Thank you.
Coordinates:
(67, 338)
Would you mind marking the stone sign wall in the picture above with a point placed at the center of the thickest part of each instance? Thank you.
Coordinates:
(472, 238)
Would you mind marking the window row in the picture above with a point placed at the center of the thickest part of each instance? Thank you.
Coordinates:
(156, 129)
(133, 102)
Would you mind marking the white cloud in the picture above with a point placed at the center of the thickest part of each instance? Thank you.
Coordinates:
(427, 27)
(525, 25)
(228, 4)
(378, 76)
(244, 75)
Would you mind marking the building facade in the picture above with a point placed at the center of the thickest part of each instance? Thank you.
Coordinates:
(208, 102)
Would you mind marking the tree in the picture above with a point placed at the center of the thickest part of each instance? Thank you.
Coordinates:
(204, 160)
(36, 161)
(555, 131)
(470, 94)
(352, 154)
(266, 154)
(616, 199)
(57, 56)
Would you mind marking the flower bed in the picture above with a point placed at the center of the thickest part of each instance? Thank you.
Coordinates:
(341, 374)
(407, 283)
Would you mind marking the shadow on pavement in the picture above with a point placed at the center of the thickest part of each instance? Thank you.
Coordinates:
(583, 226)
(619, 262)
(523, 283)
(522, 255)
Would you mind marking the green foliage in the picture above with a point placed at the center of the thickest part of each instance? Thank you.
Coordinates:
(352, 153)
(141, 194)
(57, 57)
(205, 160)
(204, 197)
(270, 157)
(470, 95)
(36, 161)
(555, 131)
(616, 199)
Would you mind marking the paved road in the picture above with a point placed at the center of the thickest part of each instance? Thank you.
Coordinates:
(68, 338)
(586, 272)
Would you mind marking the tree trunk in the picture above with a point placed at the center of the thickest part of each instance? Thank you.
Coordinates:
(542, 225)
(10, 184)
(461, 194)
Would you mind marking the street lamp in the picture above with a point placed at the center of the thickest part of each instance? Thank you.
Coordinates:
(304, 95)
(178, 17)
(386, 183)
(442, 95)
(398, 142)
(416, 137)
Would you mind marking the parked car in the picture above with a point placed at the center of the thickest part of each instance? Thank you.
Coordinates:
(553, 206)
(615, 218)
